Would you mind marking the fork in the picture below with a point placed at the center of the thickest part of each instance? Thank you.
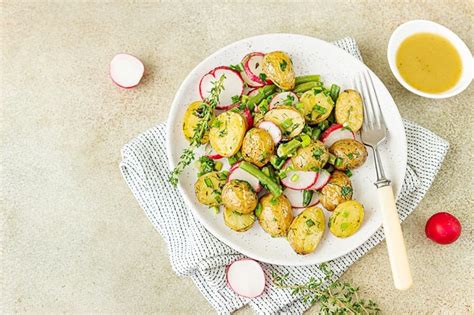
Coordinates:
(373, 133)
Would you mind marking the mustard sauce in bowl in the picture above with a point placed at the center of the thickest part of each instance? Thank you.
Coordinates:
(429, 62)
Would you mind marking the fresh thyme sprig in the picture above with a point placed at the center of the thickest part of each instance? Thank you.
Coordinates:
(334, 297)
(206, 112)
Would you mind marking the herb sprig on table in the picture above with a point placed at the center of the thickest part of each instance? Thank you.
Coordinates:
(206, 111)
(333, 296)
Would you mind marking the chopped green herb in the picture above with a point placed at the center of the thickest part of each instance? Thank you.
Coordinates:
(295, 177)
(237, 67)
(283, 65)
(263, 77)
(235, 99)
(310, 223)
(348, 173)
(273, 201)
(319, 109)
(258, 210)
(206, 165)
(208, 183)
(346, 190)
(317, 153)
(299, 106)
(218, 165)
(305, 140)
(350, 156)
(286, 124)
(338, 162)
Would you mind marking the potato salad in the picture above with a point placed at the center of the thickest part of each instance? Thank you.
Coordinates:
(280, 150)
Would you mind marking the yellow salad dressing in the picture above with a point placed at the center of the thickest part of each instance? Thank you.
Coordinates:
(429, 63)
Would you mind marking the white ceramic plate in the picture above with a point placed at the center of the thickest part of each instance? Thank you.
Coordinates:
(310, 56)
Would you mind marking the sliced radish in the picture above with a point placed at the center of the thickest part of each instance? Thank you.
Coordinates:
(240, 174)
(284, 98)
(248, 116)
(321, 181)
(126, 70)
(233, 85)
(253, 67)
(253, 92)
(246, 278)
(246, 78)
(298, 180)
(272, 129)
(296, 198)
(334, 133)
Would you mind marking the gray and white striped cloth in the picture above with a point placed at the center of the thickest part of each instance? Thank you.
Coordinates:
(194, 252)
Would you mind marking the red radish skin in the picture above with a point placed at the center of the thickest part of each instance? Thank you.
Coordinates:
(253, 67)
(245, 77)
(322, 180)
(233, 85)
(272, 129)
(246, 278)
(296, 198)
(281, 97)
(215, 156)
(240, 174)
(248, 116)
(443, 228)
(334, 133)
(126, 70)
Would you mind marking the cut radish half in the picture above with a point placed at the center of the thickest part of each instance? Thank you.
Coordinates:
(246, 278)
(296, 198)
(233, 85)
(253, 92)
(253, 67)
(126, 70)
(248, 116)
(246, 78)
(321, 181)
(298, 180)
(334, 133)
(240, 174)
(284, 98)
(272, 129)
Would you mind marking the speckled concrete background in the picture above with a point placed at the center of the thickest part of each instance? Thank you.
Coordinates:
(73, 236)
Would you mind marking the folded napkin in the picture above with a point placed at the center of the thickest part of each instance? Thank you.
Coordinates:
(194, 252)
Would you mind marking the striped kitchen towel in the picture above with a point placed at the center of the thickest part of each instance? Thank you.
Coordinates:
(194, 252)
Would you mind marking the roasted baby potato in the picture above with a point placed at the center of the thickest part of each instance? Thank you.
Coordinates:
(227, 133)
(349, 110)
(346, 218)
(258, 147)
(191, 119)
(306, 230)
(352, 154)
(239, 196)
(208, 188)
(311, 158)
(276, 215)
(316, 106)
(278, 67)
(337, 190)
(290, 120)
(237, 221)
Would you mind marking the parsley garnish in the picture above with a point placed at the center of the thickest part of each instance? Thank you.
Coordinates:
(310, 223)
(235, 99)
(263, 77)
(237, 67)
(283, 65)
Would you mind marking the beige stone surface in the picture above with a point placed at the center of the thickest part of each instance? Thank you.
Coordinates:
(73, 237)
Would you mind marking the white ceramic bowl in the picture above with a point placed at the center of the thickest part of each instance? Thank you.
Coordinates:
(422, 26)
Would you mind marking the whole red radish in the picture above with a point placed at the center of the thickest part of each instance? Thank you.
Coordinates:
(443, 228)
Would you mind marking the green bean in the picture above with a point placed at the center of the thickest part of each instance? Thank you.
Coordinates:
(303, 87)
(334, 92)
(277, 162)
(307, 78)
(307, 196)
(315, 134)
(273, 188)
(288, 148)
(262, 93)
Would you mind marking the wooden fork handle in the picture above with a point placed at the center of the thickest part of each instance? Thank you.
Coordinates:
(395, 244)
